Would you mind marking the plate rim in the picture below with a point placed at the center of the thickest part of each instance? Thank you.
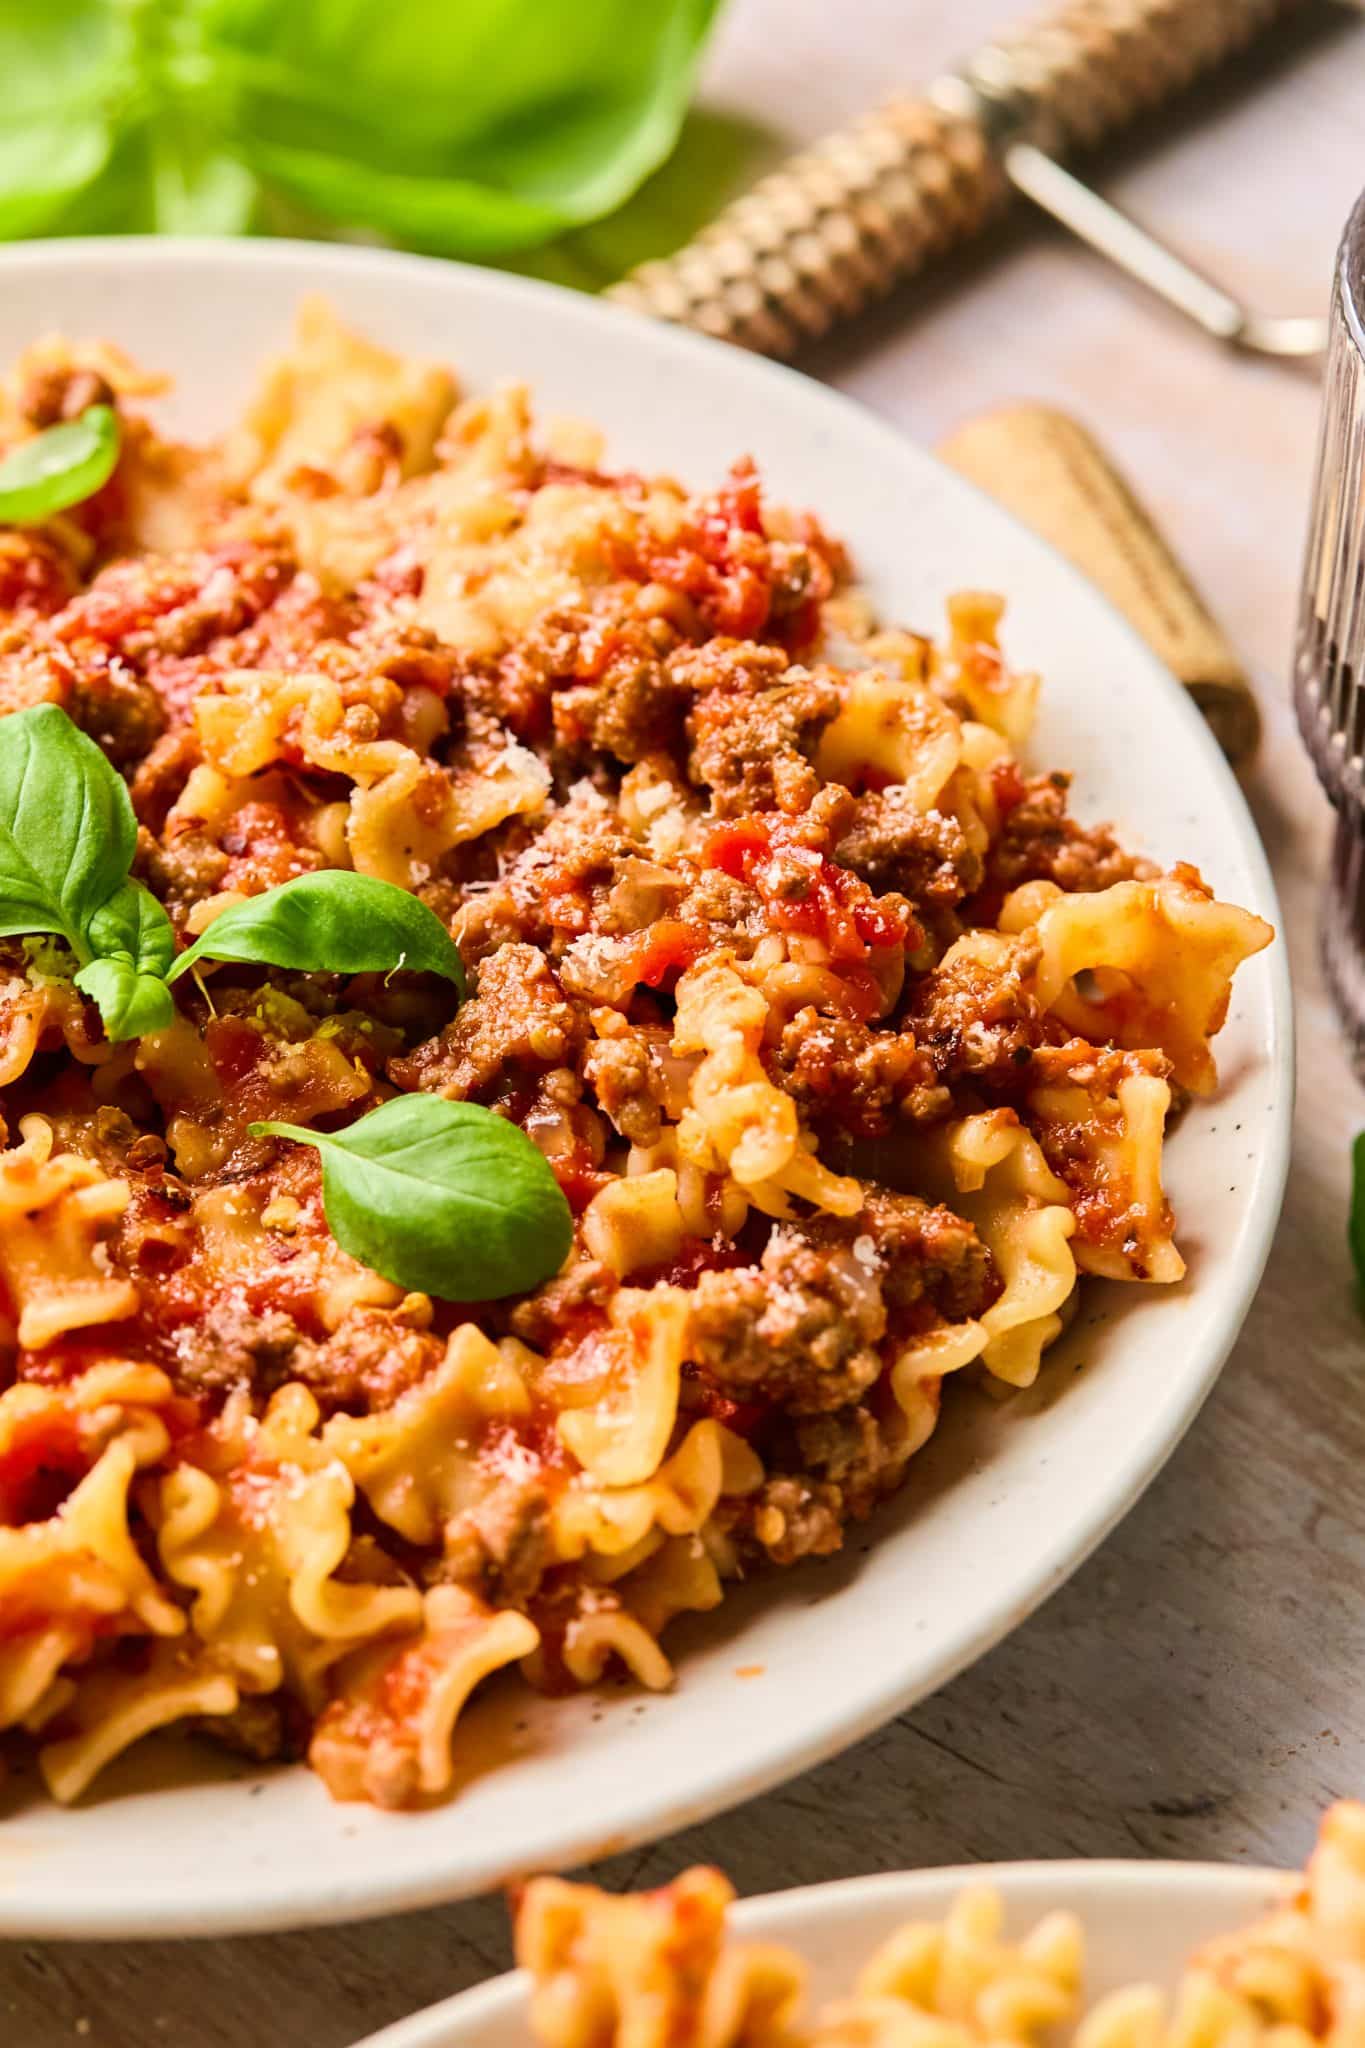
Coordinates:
(769, 1916)
(89, 1913)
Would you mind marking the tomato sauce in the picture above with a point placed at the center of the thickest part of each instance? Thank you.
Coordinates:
(805, 892)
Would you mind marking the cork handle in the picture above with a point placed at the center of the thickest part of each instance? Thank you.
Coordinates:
(1046, 469)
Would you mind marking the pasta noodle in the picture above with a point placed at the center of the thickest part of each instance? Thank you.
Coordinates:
(257, 1539)
(851, 1051)
(55, 1211)
(656, 1970)
(649, 1971)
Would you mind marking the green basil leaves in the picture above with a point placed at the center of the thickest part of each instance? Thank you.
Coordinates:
(519, 118)
(133, 943)
(67, 830)
(67, 839)
(442, 1197)
(59, 467)
(332, 922)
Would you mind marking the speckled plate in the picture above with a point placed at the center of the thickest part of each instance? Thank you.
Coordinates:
(1142, 1920)
(1008, 1499)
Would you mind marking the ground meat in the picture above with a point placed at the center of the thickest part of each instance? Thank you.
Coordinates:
(182, 872)
(734, 906)
(1039, 842)
(555, 885)
(590, 688)
(263, 852)
(926, 1252)
(144, 610)
(487, 917)
(842, 1466)
(924, 854)
(790, 1518)
(518, 688)
(502, 1544)
(159, 778)
(122, 713)
(62, 391)
(231, 1345)
(854, 1076)
(754, 751)
(632, 710)
(739, 667)
(367, 1362)
(557, 1312)
(799, 1329)
(34, 574)
(973, 1014)
(626, 1074)
(850, 1451)
(518, 1017)
(264, 1730)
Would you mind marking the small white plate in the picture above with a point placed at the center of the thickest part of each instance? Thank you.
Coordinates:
(1008, 1499)
(1141, 1920)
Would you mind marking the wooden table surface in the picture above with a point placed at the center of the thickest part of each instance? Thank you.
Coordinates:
(1195, 1691)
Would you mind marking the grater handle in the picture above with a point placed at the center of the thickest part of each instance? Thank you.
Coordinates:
(839, 225)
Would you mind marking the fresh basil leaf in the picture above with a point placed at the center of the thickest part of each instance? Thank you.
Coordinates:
(441, 1197)
(130, 1003)
(195, 187)
(64, 67)
(521, 118)
(331, 922)
(133, 923)
(444, 216)
(46, 170)
(133, 943)
(115, 121)
(67, 835)
(67, 830)
(61, 59)
(1356, 1226)
(59, 467)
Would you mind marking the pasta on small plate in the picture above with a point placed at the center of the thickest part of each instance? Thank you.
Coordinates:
(1009, 1955)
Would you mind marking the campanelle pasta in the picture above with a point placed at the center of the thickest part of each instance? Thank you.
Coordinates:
(656, 1970)
(849, 1049)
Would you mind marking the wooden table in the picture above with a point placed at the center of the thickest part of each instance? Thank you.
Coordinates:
(1195, 1691)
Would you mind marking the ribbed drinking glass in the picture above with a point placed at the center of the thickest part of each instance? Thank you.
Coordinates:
(1329, 660)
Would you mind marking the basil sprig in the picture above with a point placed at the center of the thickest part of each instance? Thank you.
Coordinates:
(67, 840)
(126, 980)
(59, 467)
(331, 922)
(442, 1197)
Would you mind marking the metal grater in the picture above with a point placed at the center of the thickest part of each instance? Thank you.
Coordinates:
(836, 227)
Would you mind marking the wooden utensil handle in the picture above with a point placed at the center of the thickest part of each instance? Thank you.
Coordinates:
(1052, 474)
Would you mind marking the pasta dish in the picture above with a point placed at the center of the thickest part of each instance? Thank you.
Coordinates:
(535, 1036)
(656, 1970)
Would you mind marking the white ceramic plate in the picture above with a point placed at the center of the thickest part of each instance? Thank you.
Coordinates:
(1009, 1499)
(1141, 1922)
